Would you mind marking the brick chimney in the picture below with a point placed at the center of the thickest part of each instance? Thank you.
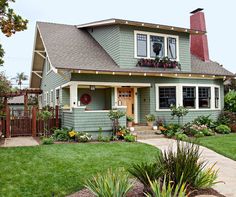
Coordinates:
(199, 43)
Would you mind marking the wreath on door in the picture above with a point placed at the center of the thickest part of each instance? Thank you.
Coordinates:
(85, 99)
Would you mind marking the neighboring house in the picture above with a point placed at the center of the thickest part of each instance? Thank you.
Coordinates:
(16, 103)
(92, 68)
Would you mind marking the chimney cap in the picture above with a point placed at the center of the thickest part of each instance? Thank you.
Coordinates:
(196, 10)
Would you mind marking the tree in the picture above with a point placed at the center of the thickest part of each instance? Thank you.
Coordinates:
(20, 77)
(5, 86)
(10, 23)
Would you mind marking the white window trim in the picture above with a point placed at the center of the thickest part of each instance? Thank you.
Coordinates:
(51, 98)
(179, 95)
(148, 43)
(57, 88)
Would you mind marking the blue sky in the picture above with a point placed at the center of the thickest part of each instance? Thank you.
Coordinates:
(219, 15)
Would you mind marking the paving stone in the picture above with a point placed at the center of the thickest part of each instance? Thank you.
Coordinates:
(20, 141)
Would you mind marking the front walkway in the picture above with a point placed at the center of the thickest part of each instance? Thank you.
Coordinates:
(20, 141)
(226, 166)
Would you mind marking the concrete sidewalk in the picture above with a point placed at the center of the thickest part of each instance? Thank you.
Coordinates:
(20, 141)
(226, 166)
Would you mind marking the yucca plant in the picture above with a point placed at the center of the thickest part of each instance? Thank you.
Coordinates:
(146, 172)
(206, 178)
(110, 184)
(166, 189)
(185, 164)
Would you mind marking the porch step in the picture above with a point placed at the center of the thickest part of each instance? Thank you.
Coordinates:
(146, 132)
(142, 128)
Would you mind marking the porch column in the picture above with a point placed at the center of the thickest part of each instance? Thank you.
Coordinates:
(73, 94)
(135, 105)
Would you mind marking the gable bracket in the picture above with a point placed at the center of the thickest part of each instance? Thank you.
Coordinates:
(37, 73)
(41, 53)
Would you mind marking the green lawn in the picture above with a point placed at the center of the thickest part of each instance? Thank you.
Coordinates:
(62, 168)
(223, 144)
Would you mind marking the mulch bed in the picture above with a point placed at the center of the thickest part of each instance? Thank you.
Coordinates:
(137, 191)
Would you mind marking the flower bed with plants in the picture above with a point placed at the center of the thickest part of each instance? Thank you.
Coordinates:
(200, 127)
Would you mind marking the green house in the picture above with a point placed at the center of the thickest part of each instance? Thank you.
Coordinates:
(137, 67)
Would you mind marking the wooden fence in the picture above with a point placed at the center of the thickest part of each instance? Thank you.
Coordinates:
(27, 122)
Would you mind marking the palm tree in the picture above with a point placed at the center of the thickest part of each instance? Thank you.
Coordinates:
(20, 77)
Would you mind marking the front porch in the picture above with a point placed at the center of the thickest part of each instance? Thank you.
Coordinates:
(86, 104)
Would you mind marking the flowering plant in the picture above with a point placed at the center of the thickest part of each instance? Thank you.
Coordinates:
(72, 134)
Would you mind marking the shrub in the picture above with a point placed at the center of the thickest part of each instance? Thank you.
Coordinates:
(199, 134)
(181, 136)
(179, 112)
(182, 166)
(146, 172)
(130, 118)
(171, 129)
(61, 134)
(115, 184)
(207, 132)
(205, 120)
(83, 137)
(162, 189)
(47, 141)
(150, 117)
(129, 138)
(223, 129)
(230, 101)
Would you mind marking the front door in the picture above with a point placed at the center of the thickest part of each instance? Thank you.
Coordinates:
(126, 98)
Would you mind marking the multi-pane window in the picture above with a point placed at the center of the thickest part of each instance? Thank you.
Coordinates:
(156, 46)
(141, 45)
(189, 97)
(167, 97)
(217, 97)
(204, 94)
(171, 48)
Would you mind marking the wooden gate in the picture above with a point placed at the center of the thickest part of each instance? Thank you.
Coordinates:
(21, 122)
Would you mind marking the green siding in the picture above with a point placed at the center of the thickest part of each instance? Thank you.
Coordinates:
(108, 38)
(144, 107)
(65, 96)
(100, 98)
(51, 81)
(82, 120)
(118, 41)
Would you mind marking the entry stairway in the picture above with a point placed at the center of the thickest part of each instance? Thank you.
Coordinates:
(146, 132)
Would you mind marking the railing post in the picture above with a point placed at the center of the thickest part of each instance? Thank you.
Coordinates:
(57, 116)
(34, 119)
(8, 122)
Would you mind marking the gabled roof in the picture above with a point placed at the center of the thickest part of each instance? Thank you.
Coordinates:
(75, 49)
(115, 21)
(70, 47)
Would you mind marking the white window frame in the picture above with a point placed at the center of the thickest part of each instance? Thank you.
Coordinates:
(56, 101)
(148, 44)
(179, 95)
(47, 98)
(51, 98)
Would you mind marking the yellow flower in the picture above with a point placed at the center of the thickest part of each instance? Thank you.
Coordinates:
(72, 133)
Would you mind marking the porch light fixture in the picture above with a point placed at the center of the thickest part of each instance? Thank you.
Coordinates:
(130, 74)
(78, 71)
(92, 87)
(172, 28)
(126, 22)
(113, 73)
(203, 75)
(96, 72)
(158, 26)
(176, 74)
(142, 24)
(145, 74)
(186, 30)
(161, 74)
(213, 76)
(196, 32)
(224, 77)
(190, 75)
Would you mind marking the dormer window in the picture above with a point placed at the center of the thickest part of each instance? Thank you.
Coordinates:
(152, 45)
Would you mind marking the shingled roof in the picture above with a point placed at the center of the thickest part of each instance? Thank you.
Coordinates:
(71, 48)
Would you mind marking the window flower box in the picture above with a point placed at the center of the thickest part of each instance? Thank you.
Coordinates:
(159, 63)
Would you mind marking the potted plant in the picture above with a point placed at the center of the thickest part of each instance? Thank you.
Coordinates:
(130, 120)
(150, 118)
